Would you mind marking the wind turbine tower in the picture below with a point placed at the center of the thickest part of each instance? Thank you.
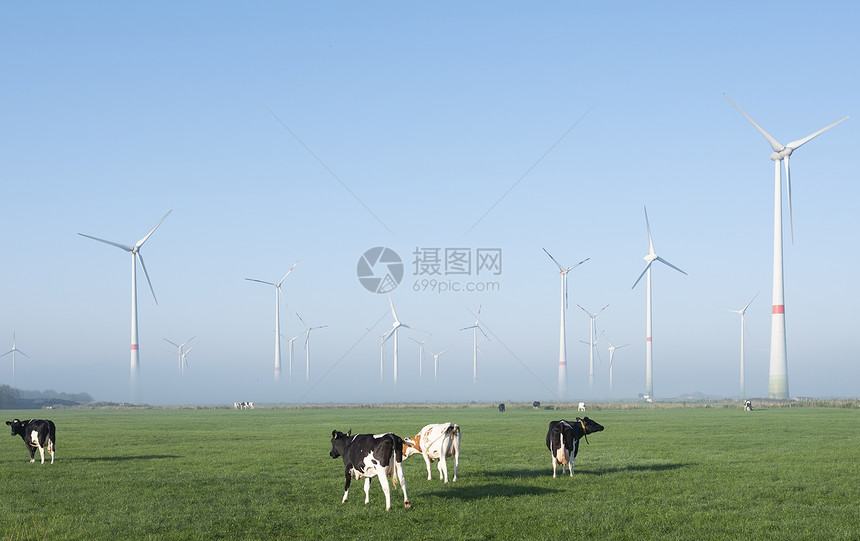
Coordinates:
(475, 328)
(308, 345)
(592, 342)
(778, 381)
(650, 258)
(562, 340)
(742, 311)
(420, 355)
(611, 357)
(436, 362)
(394, 328)
(135, 257)
(278, 293)
(13, 351)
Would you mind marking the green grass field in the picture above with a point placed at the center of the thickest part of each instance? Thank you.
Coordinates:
(684, 473)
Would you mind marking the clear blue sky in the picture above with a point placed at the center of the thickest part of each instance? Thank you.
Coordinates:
(430, 115)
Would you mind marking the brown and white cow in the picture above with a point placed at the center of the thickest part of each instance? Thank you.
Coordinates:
(436, 442)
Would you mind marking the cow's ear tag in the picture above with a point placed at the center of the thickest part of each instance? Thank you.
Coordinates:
(349, 433)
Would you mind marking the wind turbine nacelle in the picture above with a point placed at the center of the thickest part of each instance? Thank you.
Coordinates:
(784, 153)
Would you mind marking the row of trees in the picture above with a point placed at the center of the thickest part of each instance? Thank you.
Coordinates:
(12, 398)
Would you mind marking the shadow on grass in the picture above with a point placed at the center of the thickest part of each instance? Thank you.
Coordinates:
(490, 490)
(119, 458)
(534, 473)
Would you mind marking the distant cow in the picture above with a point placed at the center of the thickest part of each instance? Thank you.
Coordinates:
(371, 455)
(562, 440)
(581, 406)
(536, 405)
(243, 405)
(502, 407)
(37, 434)
(436, 442)
(748, 405)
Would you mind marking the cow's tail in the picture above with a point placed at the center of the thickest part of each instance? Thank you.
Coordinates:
(52, 433)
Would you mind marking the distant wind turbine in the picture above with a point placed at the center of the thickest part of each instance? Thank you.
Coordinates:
(185, 357)
(742, 311)
(13, 351)
(592, 340)
(382, 337)
(278, 293)
(475, 328)
(394, 328)
(135, 257)
(650, 258)
(611, 357)
(778, 381)
(308, 346)
(436, 362)
(420, 355)
(179, 352)
(291, 340)
(562, 345)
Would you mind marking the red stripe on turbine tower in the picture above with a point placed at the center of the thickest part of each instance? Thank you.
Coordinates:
(133, 347)
(779, 309)
(648, 339)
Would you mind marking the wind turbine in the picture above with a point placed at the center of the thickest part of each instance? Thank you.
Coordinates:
(475, 328)
(13, 351)
(743, 327)
(436, 362)
(650, 258)
(291, 340)
(562, 341)
(420, 355)
(179, 351)
(611, 357)
(185, 356)
(135, 257)
(382, 337)
(592, 340)
(278, 293)
(778, 382)
(395, 326)
(308, 346)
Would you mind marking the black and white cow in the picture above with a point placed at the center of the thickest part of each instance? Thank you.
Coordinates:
(368, 456)
(37, 434)
(562, 440)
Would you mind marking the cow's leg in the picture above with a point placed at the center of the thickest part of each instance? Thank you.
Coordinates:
(51, 449)
(42, 453)
(456, 459)
(555, 465)
(346, 487)
(443, 468)
(366, 490)
(398, 471)
(383, 481)
(429, 470)
(32, 450)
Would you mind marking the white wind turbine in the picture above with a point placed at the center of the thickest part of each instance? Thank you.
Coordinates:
(436, 362)
(278, 293)
(778, 381)
(394, 328)
(291, 340)
(420, 355)
(179, 352)
(382, 337)
(475, 328)
(562, 345)
(185, 357)
(650, 258)
(592, 341)
(308, 345)
(13, 351)
(611, 357)
(743, 328)
(135, 257)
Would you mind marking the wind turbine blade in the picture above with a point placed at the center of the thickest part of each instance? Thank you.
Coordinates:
(387, 335)
(796, 144)
(443, 351)
(671, 265)
(260, 281)
(788, 189)
(648, 266)
(749, 303)
(469, 327)
(151, 231)
(774, 144)
(391, 302)
(288, 272)
(305, 325)
(281, 293)
(140, 258)
(414, 328)
(602, 309)
(319, 327)
(553, 260)
(566, 305)
(578, 264)
(603, 333)
(648, 225)
(584, 310)
(482, 332)
(118, 245)
(172, 343)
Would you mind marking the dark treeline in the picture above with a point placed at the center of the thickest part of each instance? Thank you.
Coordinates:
(12, 398)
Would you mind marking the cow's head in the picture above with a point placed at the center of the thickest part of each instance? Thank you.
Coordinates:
(588, 425)
(338, 441)
(411, 446)
(17, 426)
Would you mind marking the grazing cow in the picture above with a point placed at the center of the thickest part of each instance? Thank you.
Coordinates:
(502, 407)
(536, 405)
(748, 405)
(562, 440)
(436, 442)
(371, 455)
(581, 406)
(37, 434)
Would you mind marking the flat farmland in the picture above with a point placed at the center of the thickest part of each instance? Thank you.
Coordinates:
(683, 473)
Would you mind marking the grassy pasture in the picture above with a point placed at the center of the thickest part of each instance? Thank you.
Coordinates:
(686, 473)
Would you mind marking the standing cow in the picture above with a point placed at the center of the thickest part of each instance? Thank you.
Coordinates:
(371, 455)
(37, 434)
(562, 440)
(436, 442)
